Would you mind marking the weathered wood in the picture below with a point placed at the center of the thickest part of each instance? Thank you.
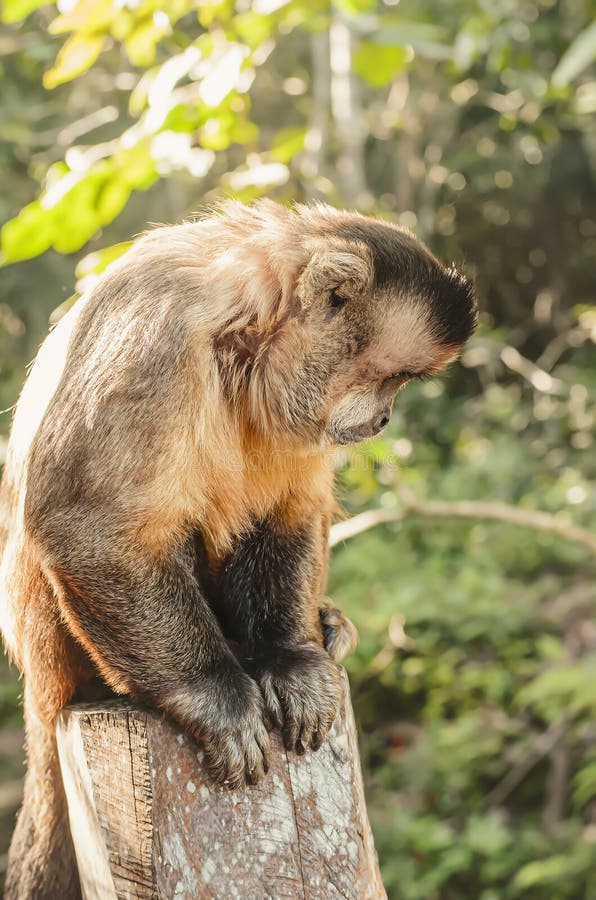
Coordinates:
(148, 823)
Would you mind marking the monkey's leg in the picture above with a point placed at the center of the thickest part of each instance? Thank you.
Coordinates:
(151, 633)
(267, 587)
(340, 636)
(41, 860)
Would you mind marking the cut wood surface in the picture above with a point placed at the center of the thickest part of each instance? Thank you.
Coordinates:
(148, 823)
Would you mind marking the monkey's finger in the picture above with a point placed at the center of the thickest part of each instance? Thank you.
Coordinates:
(252, 776)
(317, 739)
(306, 733)
(303, 742)
(263, 740)
(292, 725)
(255, 765)
(253, 769)
(225, 761)
(272, 704)
(326, 723)
(325, 719)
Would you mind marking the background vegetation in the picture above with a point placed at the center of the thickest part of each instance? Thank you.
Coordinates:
(471, 122)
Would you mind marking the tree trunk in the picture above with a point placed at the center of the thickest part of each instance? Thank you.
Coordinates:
(147, 822)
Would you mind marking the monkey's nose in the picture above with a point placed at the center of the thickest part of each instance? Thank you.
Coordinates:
(381, 420)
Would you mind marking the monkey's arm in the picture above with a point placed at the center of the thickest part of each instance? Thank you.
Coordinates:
(149, 628)
(271, 586)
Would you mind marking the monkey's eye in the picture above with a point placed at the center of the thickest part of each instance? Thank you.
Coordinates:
(335, 303)
(401, 377)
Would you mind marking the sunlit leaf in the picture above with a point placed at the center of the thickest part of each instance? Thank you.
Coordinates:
(427, 40)
(287, 143)
(182, 117)
(214, 11)
(585, 785)
(223, 75)
(226, 125)
(142, 40)
(95, 263)
(378, 65)
(28, 234)
(266, 7)
(76, 56)
(471, 43)
(252, 28)
(135, 165)
(122, 25)
(544, 872)
(16, 10)
(76, 206)
(112, 199)
(580, 53)
(76, 214)
(352, 7)
(86, 16)
(248, 182)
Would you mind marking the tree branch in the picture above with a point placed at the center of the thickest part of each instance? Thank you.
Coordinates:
(347, 116)
(465, 509)
(542, 746)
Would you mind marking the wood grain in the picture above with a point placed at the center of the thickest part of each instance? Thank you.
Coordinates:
(148, 823)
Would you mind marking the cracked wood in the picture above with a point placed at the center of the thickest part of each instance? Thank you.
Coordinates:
(147, 822)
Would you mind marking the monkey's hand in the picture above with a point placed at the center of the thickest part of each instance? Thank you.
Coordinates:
(228, 717)
(301, 688)
(340, 636)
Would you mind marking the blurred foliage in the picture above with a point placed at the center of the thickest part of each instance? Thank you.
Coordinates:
(472, 123)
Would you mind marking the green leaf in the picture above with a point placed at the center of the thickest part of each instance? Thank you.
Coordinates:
(76, 56)
(562, 688)
(353, 7)
(585, 785)
(546, 871)
(216, 10)
(76, 213)
(487, 835)
(111, 200)
(252, 28)
(135, 165)
(580, 53)
(17, 10)
(425, 39)
(28, 234)
(97, 262)
(287, 143)
(92, 200)
(378, 65)
(143, 39)
(184, 117)
(87, 16)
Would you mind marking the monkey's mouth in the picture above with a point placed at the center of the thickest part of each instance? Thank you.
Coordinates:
(364, 432)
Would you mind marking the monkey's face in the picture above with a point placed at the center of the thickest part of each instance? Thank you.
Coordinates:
(381, 311)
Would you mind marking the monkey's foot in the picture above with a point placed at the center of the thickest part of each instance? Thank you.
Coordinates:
(301, 688)
(340, 636)
(228, 717)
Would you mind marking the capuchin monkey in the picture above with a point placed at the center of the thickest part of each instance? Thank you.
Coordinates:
(168, 490)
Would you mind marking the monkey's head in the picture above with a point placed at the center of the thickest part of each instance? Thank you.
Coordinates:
(362, 308)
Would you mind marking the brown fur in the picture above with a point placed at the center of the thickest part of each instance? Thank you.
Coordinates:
(169, 482)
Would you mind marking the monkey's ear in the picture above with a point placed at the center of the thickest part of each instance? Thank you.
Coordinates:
(346, 266)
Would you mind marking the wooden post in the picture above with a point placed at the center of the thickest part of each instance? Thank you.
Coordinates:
(147, 822)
